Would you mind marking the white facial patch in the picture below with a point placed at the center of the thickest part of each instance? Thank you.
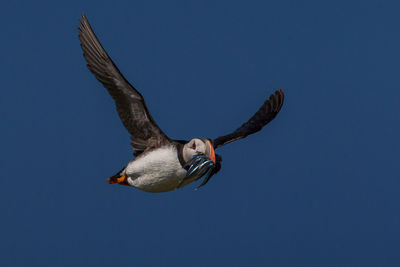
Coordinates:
(192, 148)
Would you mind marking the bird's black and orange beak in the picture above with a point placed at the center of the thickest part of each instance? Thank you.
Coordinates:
(210, 150)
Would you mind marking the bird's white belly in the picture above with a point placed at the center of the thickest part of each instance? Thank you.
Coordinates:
(157, 171)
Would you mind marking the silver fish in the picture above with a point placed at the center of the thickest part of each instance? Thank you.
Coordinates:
(199, 166)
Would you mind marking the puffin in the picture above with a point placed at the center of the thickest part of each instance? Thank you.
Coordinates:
(160, 163)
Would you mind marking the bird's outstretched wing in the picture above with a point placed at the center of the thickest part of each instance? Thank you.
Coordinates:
(130, 104)
(265, 114)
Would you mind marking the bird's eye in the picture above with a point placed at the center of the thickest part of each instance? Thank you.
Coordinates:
(194, 146)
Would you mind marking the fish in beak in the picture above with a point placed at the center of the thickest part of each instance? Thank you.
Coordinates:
(201, 165)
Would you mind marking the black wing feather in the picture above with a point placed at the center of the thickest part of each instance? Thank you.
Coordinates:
(130, 104)
(264, 115)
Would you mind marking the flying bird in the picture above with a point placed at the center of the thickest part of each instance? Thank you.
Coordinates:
(161, 164)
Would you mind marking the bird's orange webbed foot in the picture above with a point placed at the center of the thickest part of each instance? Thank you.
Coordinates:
(118, 180)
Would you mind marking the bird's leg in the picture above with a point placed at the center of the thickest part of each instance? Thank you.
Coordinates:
(122, 180)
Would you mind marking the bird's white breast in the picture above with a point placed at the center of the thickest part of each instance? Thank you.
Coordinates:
(156, 171)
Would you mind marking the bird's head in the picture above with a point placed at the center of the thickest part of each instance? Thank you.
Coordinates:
(200, 160)
(198, 146)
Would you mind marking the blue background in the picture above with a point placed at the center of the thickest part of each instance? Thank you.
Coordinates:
(319, 186)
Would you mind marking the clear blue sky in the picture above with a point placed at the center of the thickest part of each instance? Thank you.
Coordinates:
(319, 186)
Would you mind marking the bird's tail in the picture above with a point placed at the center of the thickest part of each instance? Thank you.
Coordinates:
(119, 178)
